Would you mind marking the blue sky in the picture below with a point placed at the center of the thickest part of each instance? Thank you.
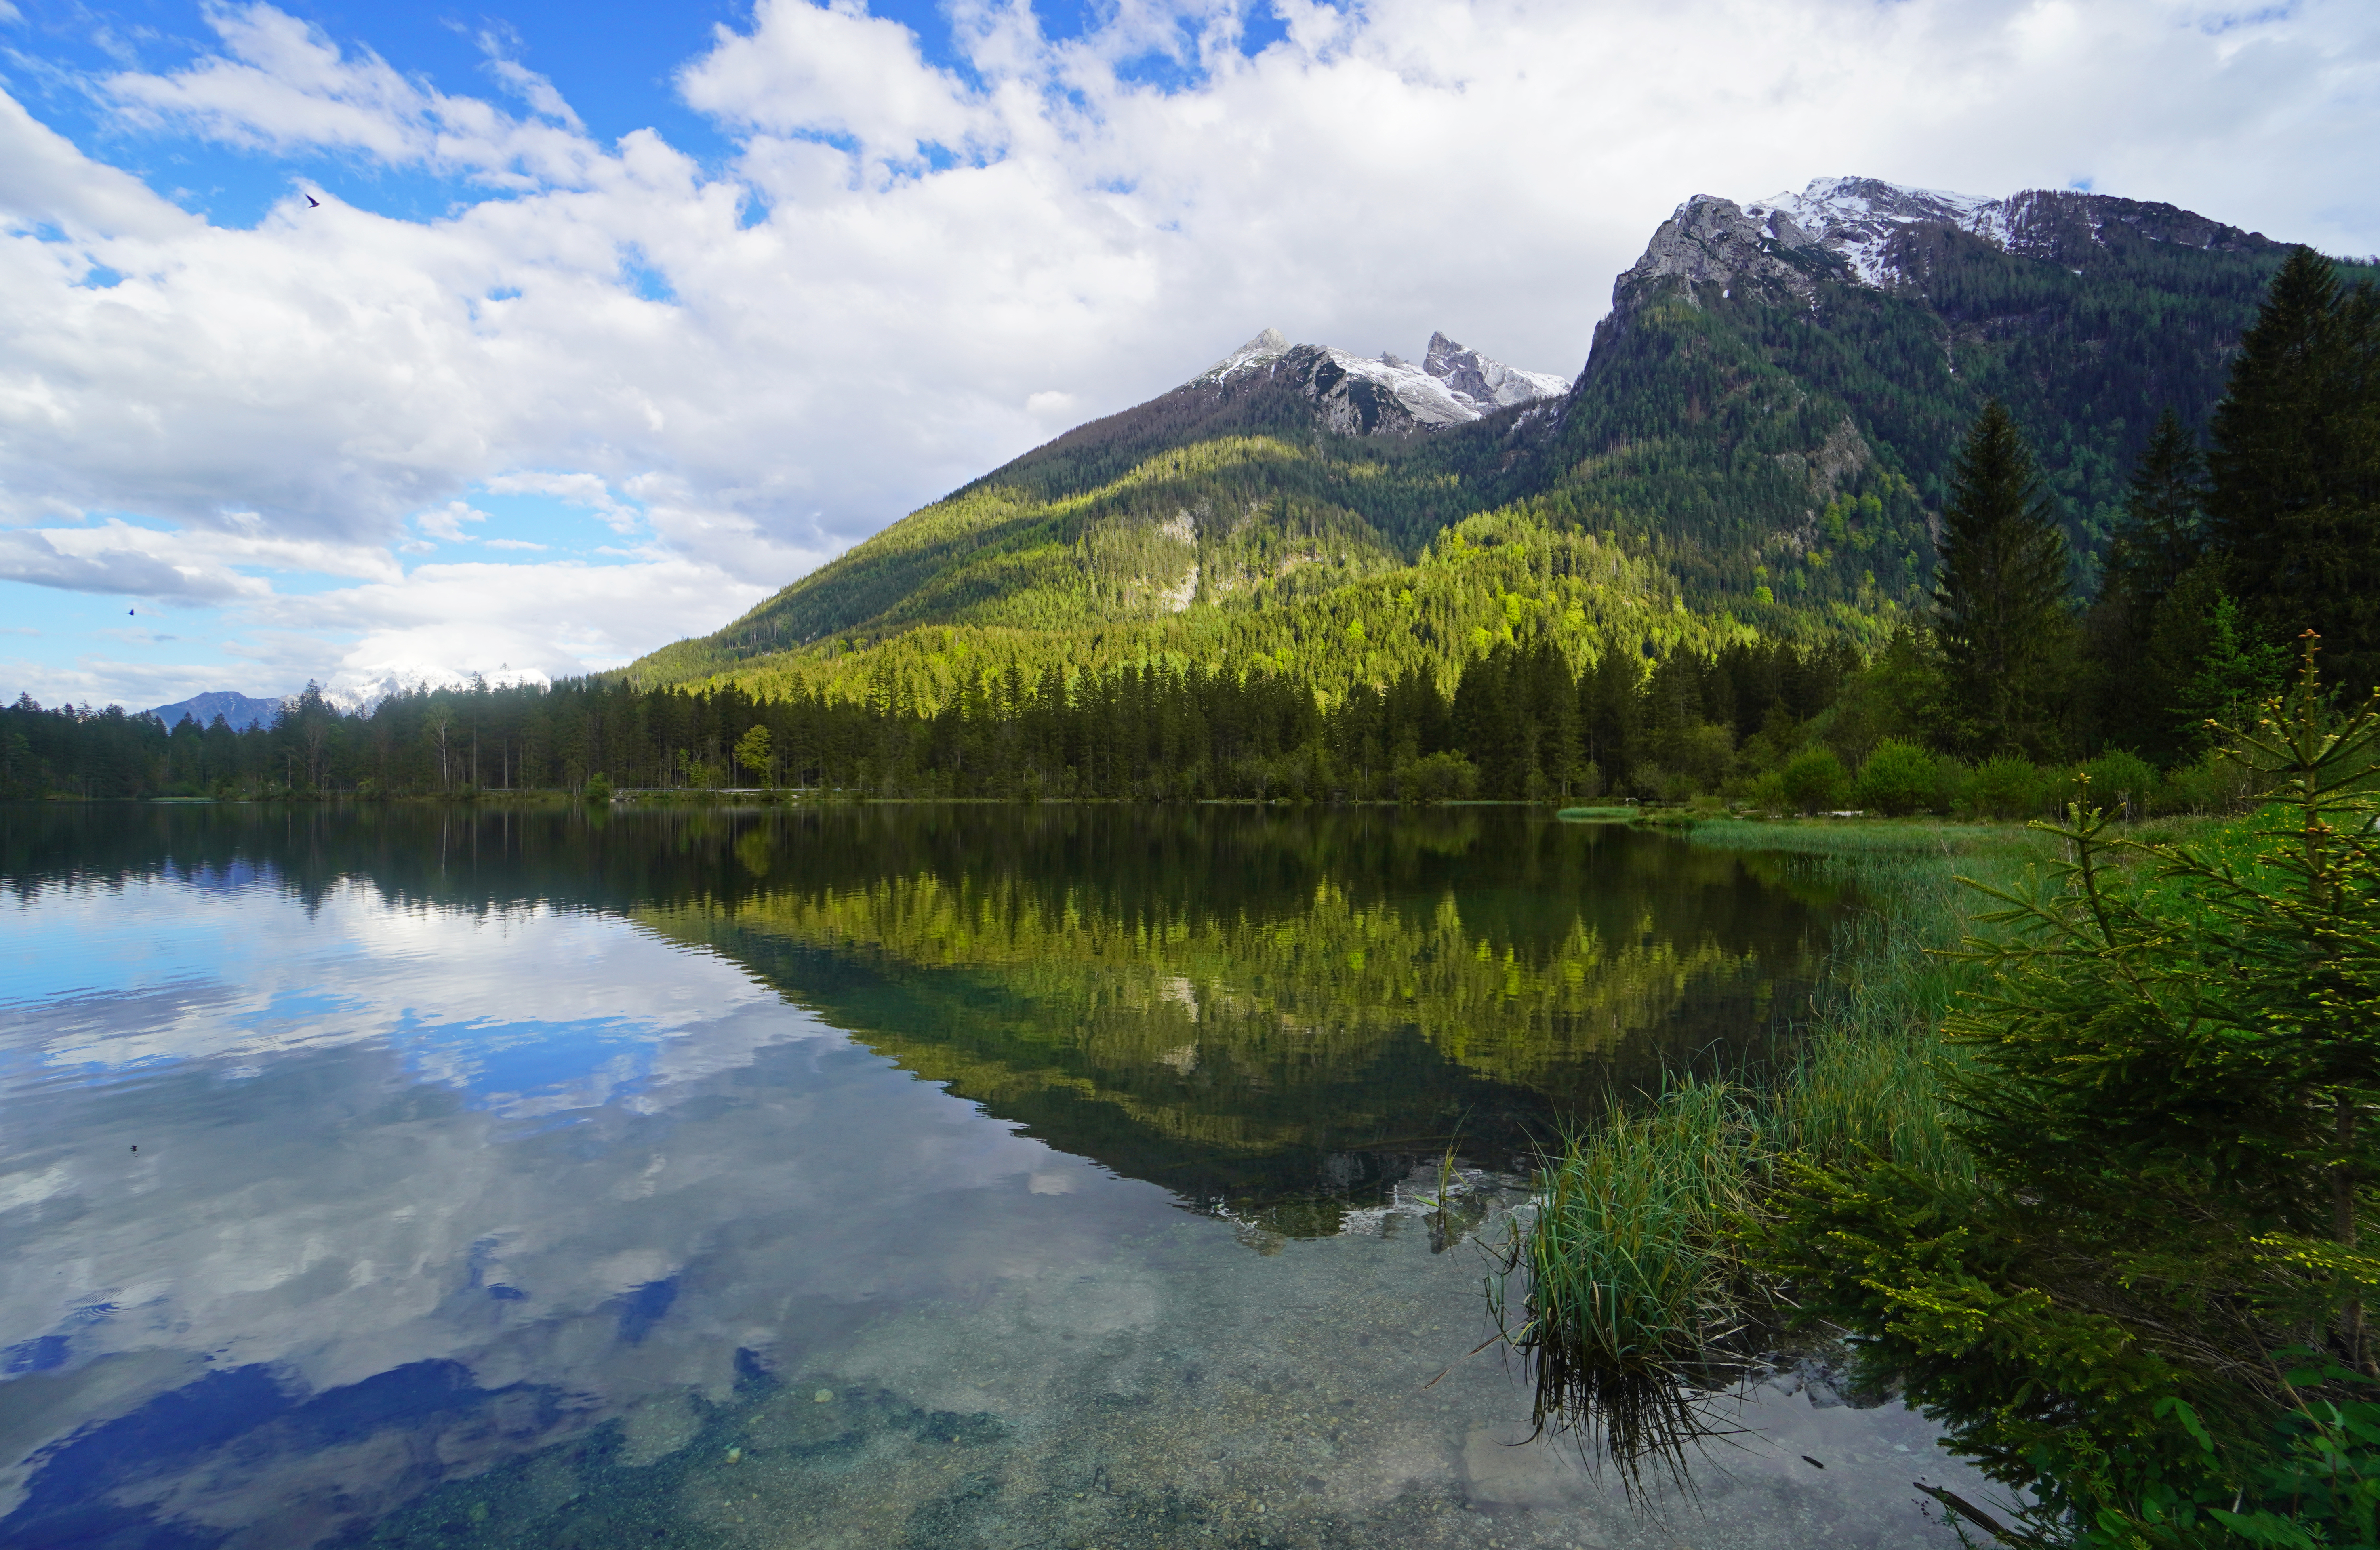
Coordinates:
(614, 318)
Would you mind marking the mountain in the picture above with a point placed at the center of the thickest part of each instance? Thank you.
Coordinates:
(361, 692)
(240, 711)
(1278, 476)
(1388, 395)
(1758, 443)
(350, 693)
(1779, 388)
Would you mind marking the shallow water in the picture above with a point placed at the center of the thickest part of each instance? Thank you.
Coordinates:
(888, 1176)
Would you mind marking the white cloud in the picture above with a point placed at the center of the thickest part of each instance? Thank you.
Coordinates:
(837, 70)
(282, 84)
(905, 276)
(444, 622)
(196, 565)
(447, 521)
(584, 490)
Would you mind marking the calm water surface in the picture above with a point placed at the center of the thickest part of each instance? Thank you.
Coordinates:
(890, 1176)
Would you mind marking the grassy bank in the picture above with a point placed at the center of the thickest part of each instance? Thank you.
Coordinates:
(1635, 1296)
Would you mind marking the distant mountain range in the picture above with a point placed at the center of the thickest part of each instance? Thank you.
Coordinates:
(240, 711)
(353, 695)
(1758, 442)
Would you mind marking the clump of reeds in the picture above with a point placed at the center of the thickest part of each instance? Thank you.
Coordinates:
(1635, 1289)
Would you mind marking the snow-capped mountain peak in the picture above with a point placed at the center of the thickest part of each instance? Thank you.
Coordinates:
(359, 689)
(1367, 394)
(1267, 346)
(1853, 228)
(1855, 218)
(1490, 384)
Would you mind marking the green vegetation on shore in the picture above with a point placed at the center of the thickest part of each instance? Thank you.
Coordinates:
(1638, 1300)
(2090, 1191)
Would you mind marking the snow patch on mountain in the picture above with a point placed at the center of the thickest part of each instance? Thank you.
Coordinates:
(360, 691)
(1850, 229)
(1856, 219)
(1472, 378)
(1369, 394)
(1267, 346)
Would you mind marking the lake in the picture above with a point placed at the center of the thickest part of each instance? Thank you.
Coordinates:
(885, 1175)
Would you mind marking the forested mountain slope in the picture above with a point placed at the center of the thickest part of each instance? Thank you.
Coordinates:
(1757, 443)
(1779, 390)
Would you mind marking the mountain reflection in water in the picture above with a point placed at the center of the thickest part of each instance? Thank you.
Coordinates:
(359, 1157)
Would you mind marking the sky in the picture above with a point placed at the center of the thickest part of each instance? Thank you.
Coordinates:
(372, 344)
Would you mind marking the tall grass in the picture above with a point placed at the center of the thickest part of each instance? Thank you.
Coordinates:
(1632, 1310)
(1638, 1303)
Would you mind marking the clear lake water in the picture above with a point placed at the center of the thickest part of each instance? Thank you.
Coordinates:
(872, 1176)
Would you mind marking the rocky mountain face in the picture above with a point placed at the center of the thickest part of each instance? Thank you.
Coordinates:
(1368, 395)
(1767, 416)
(1864, 231)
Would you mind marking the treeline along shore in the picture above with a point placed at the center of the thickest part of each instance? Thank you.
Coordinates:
(2231, 542)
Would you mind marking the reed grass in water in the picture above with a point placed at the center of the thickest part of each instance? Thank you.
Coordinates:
(1633, 1311)
(1638, 1307)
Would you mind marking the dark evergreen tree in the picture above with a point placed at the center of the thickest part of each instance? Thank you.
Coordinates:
(2162, 531)
(2295, 499)
(2003, 616)
(2128, 687)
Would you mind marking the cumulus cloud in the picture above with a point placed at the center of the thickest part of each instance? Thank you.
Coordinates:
(282, 84)
(806, 69)
(558, 617)
(907, 273)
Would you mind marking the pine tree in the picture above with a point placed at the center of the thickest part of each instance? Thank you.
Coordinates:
(2295, 499)
(2003, 616)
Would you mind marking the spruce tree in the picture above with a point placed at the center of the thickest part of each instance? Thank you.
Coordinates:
(2295, 499)
(2003, 615)
(2162, 530)
(2159, 542)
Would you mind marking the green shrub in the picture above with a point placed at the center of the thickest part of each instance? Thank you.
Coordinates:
(1815, 780)
(2006, 787)
(2111, 781)
(1765, 792)
(1898, 779)
(598, 787)
(2215, 784)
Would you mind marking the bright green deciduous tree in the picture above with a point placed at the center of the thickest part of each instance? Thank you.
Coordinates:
(754, 753)
(1899, 779)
